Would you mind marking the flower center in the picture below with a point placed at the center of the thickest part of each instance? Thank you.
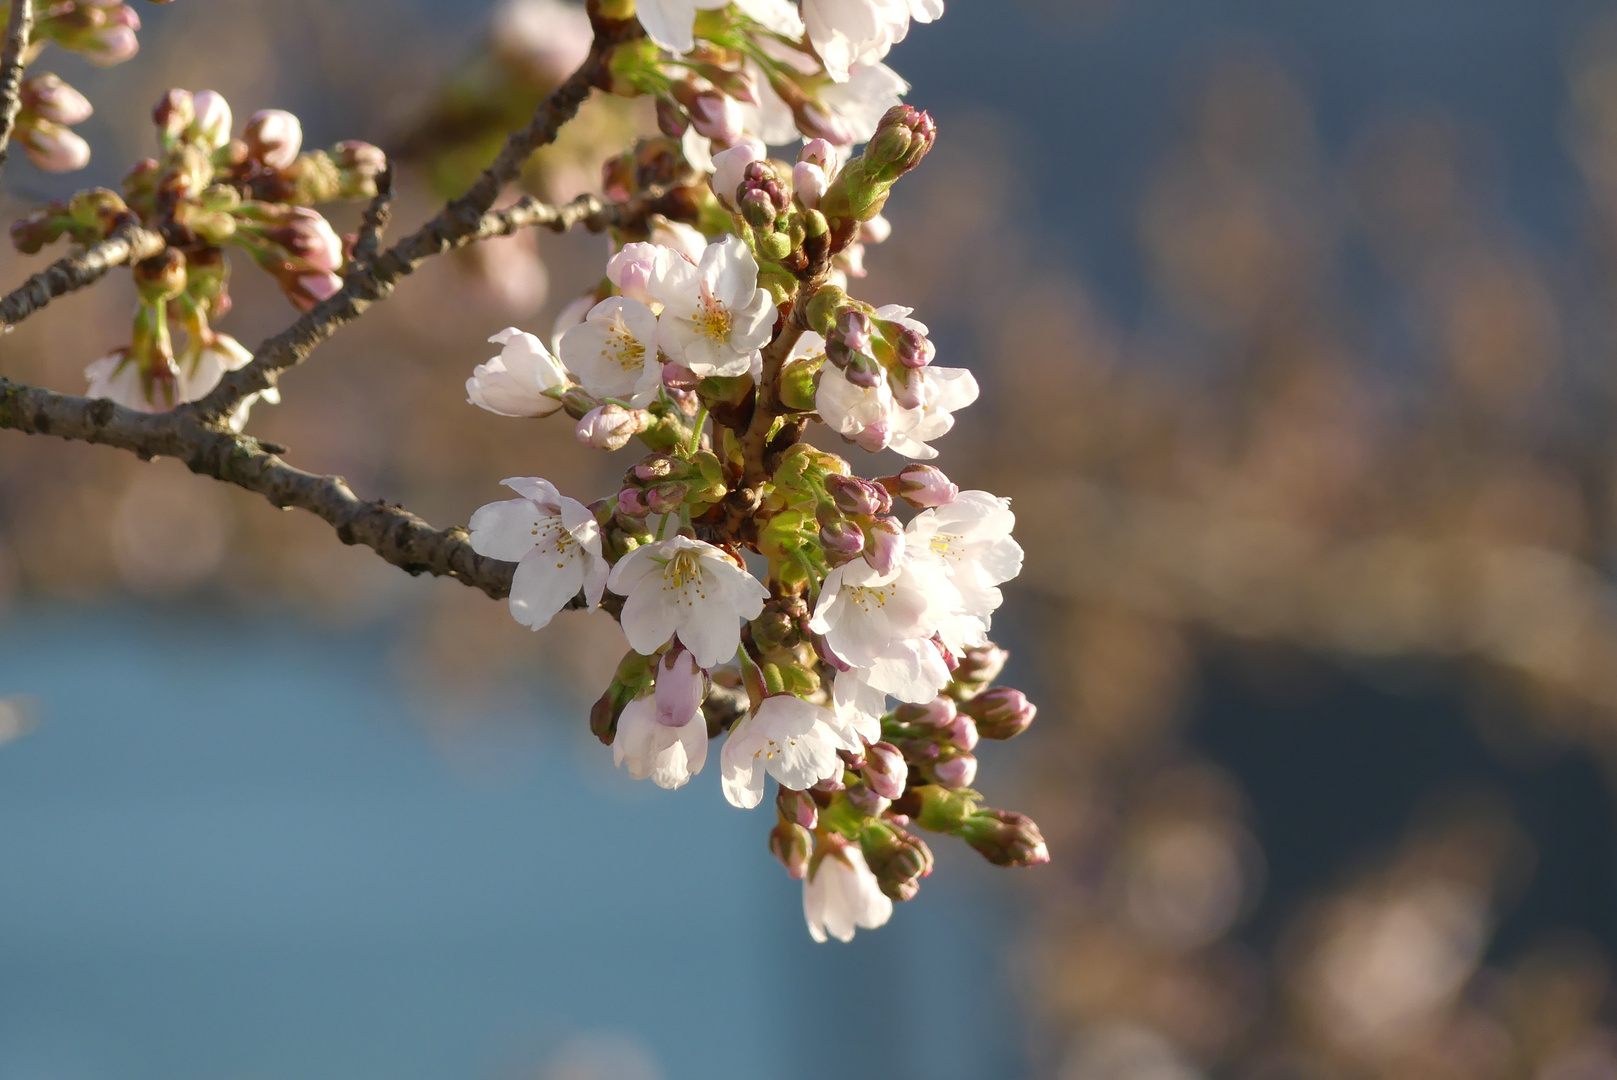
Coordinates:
(865, 597)
(943, 544)
(549, 534)
(712, 319)
(624, 349)
(772, 749)
(683, 574)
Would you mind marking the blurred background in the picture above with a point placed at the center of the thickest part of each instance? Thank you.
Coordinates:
(1297, 333)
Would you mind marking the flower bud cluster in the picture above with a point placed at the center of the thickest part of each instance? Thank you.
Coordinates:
(845, 619)
(102, 31)
(206, 192)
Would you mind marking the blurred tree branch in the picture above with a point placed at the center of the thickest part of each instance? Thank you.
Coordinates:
(19, 27)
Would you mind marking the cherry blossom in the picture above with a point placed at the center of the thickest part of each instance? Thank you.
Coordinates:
(840, 894)
(667, 755)
(715, 318)
(971, 536)
(690, 588)
(793, 740)
(614, 351)
(555, 542)
(514, 383)
(862, 612)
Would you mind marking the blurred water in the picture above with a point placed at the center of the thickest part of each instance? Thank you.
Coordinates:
(229, 850)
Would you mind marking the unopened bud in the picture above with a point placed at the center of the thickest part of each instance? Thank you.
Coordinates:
(717, 117)
(898, 859)
(876, 230)
(936, 714)
(797, 807)
(160, 278)
(1001, 713)
(610, 427)
(174, 113)
(53, 148)
(211, 127)
(273, 136)
(961, 732)
(671, 119)
(884, 544)
(604, 718)
(819, 153)
(667, 498)
(865, 801)
(853, 495)
(976, 669)
(956, 772)
(682, 686)
(113, 43)
(49, 98)
(923, 486)
(1005, 837)
(809, 183)
(885, 770)
(632, 504)
(842, 540)
(902, 139)
(792, 845)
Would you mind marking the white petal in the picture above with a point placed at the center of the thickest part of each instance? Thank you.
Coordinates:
(507, 530)
(543, 584)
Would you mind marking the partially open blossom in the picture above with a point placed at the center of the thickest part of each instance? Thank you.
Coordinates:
(690, 588)
(923, 486)
(666, 754)
(514, 383)
(610, 427)
(555, 543)
(211, 127)
(682, 686)
(717, 117)
(715, 318)
(614, 351)
(793, 740)
(944, 391)
(841, 894)
(633, 268)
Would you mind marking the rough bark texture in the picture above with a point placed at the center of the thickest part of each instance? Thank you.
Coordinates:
(127, 244)
(19, 27)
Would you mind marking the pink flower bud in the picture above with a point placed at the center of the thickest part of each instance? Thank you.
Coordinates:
(211, 128)
(792, 845)
(884, 544)
(865, 800)
(633, 269)
(632, 504)
(923, 486)
(842, 540)
(821, 153)
(885, 770)
(730, 167)
(53, 148)
(610, 427)
(876, 230)
(679, 378)
(681, 688)
(113, 43)
(961, 733)
(937, 714)
(853, 495)
(854, 330)
(875, 437)
(173, 113)
(49, 98)
(1001, 713)
(307, 290)
(809, 182)
(667, 498)
(273, 136)
(957, 772)
(716, 116)
(797, 807)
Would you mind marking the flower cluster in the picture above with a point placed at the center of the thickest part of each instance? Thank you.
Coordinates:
(832, 629)
(103, 32)
(208, 191)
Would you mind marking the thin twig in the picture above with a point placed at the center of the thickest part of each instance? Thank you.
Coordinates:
(127, 244)
(460, 218)
(19, 27)
(377, 215)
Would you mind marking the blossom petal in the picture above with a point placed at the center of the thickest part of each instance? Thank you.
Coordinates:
(543, 584)
(506, 530)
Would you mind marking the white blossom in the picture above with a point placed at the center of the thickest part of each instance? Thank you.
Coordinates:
(670, 23)
(678, 237)
(667, 756)
(859, 706)
(848, 32)
(862, 612)
(793, 740)
(778, 16)
(861, 414)
(569, 317)
(513, 383)
(614, 351)
(117, 376)
(715, 318)
(971, 536)
(555, 542)
(729, 169)
(690, 588)
(841, 894)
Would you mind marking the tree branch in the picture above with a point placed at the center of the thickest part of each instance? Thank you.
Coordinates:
(459, 219)
(127, 244)
(19, 26)
(394, 533)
